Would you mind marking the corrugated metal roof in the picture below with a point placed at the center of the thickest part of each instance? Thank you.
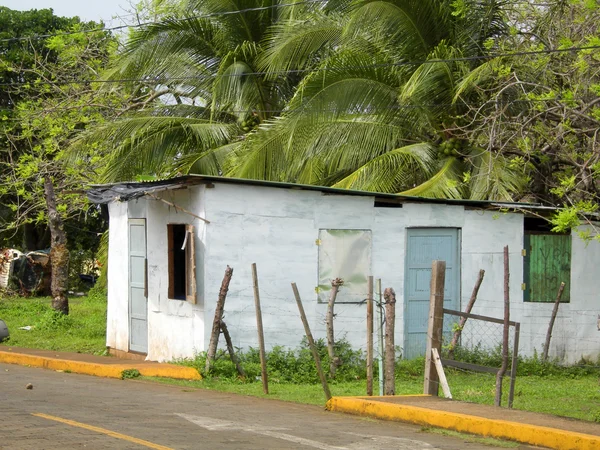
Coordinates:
(105, 193)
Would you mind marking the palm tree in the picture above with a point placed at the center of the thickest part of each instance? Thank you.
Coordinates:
(196, 86)
(385, 87)
(362, 94)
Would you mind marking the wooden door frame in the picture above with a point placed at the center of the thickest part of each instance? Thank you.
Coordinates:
(405, 274)
(129, 328)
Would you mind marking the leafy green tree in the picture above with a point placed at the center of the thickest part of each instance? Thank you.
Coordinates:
(58, 102)
(20, 52)
(541, 110)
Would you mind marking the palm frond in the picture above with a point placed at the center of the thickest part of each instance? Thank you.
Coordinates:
(393, 171)
(444, 184)
(493, 177)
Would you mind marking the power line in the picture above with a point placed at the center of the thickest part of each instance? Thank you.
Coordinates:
(144, 24)
(159, 81)
(369, 111)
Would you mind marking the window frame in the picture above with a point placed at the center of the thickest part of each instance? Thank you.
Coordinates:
(357, 295)
(548, 294)
(190, 284)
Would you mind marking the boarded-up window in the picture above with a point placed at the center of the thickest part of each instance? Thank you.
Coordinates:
(547, 263)
(344, 254)
(182, 262)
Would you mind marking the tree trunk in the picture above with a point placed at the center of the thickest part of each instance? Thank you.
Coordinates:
(59, 255)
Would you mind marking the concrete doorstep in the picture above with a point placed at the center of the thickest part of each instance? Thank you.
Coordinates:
(100, 366)
(520, 426)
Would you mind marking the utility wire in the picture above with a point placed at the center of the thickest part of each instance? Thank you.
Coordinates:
(144, 24)
(372, 111)
(162, 81)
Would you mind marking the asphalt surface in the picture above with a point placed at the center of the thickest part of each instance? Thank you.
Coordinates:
(66, 410)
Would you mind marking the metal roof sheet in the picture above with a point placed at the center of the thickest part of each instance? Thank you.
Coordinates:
(124, 191)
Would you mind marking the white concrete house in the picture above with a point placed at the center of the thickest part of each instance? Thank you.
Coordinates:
(171, 240)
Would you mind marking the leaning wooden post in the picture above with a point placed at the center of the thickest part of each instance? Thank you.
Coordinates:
(552, 319)
(311, 343)
(390, 351)
(463, 320)
(370, 336)
(261, 336)
(435, 325)
(513, 368)
(333, 361)
(502, 371)
(440, 372)
(232, 355)
(214, 335)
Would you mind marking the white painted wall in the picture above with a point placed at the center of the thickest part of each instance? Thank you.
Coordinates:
(277, 229)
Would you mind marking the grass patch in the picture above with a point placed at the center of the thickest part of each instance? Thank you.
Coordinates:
(83, 330)
(470, 438)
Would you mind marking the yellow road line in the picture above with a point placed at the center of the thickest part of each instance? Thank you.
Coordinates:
(103, 431)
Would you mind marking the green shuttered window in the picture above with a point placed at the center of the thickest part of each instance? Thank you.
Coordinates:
(547, 263)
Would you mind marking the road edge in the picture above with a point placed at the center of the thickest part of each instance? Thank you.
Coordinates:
(100, 370)
(524, 433)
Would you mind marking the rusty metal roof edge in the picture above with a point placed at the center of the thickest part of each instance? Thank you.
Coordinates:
(193, 179)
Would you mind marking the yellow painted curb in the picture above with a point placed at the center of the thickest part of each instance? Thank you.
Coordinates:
(525, 433)
(99, 370)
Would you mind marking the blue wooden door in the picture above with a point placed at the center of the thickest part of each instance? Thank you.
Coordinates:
(138, 305)
(423, 246)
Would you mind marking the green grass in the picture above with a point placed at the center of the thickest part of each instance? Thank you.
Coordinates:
(83, 330)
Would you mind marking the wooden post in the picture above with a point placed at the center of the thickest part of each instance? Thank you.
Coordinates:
(261, 336)
(333, 361)
(435, 325)
(513, 368)
(390, 351)
(214, 335)
(311, 343)
(370, 336)
(232, 355)
(552, 319)
(380, 335)
(502, 371)
(463, 320)
(440, 371)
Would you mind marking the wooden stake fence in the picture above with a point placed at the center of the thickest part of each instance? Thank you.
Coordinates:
(261, 336)
(232, 355)
(214, 335)
(370, 336)
(333, 361)
(552, 319)
(390, 351)
(434, 325)
(502, 371)
(463, 320)
(311, 343)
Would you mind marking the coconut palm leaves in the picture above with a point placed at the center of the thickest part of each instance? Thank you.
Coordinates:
(350, 93)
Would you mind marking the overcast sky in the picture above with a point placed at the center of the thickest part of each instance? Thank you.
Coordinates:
(86, 9)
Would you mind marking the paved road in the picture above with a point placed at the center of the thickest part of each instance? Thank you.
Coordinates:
(65, 411)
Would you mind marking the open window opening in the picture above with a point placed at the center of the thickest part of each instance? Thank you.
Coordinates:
(546, 262)
(182, 262)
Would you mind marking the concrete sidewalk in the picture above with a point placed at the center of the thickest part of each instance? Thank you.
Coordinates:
(522, 426)
(100, 366)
